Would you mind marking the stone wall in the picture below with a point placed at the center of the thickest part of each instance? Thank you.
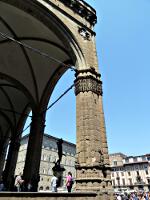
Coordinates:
(47, 196)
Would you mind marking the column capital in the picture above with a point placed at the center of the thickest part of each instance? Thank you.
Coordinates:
(88, 80)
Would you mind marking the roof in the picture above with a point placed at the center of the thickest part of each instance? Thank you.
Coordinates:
(51, 137)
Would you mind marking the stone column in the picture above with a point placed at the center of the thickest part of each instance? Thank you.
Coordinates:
(33, 156)
(3, 149)
(11, 162)
(16, 134)
(92, 153)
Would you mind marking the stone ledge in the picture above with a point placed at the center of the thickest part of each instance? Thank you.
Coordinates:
(25, 195)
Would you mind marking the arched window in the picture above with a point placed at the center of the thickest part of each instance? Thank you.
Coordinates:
(47, 188)
(41, 188)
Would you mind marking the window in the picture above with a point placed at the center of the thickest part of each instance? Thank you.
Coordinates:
(129, 173)
(148, 158)
(148, 180)
(47, 188)
(115, 163)
(113, 182)
(136, 167)
(118, 181)
(122, 173)
(130, 181)
(146, 172)
(112, 174)
(123, 181)
(137, 172)
(49, 159)
(41, 188)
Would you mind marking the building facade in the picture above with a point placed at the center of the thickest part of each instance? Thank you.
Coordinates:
(130, 172)
(48, 158)
(127, 172)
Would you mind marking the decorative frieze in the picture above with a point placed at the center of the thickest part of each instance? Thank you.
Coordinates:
(88, 83)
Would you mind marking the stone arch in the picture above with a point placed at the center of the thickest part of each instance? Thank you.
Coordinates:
(39, 9)
(73, 42)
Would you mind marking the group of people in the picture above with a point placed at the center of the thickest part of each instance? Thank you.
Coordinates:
(17, 185)
(20, 186)
(133, 196)
(69, 182)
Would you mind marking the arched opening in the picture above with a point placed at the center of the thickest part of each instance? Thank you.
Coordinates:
(41, 188)
(47, 188)
(37, 49)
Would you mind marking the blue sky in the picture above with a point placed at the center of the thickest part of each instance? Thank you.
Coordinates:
(123, 46)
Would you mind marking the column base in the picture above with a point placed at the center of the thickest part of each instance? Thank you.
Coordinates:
(105, 195)
(93, 184)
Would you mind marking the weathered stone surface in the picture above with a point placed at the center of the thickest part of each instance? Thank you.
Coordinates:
(48, 196)
(93, 171)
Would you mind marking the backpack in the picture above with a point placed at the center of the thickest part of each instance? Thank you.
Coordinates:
(71, 182)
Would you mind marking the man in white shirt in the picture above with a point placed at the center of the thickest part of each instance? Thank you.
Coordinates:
(54, 183)
(119, 197)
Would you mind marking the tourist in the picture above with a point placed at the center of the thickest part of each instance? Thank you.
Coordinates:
(118, 197)
(2, 187)
(69, 181)
(29, 187)
(54, 183)
(18, 182)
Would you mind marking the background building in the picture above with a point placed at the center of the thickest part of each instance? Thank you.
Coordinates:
(130, 172)
(48, 158)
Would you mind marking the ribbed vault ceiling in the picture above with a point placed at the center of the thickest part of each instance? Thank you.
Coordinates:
(24, 73)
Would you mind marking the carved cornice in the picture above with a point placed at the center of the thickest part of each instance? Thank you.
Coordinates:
(83, 9)
(91, 70)
(88, 83)
(101, 166)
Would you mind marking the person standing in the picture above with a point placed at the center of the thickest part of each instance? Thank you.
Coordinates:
(18, 182)
(69, 181)
(2, 187)
(54, 183)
